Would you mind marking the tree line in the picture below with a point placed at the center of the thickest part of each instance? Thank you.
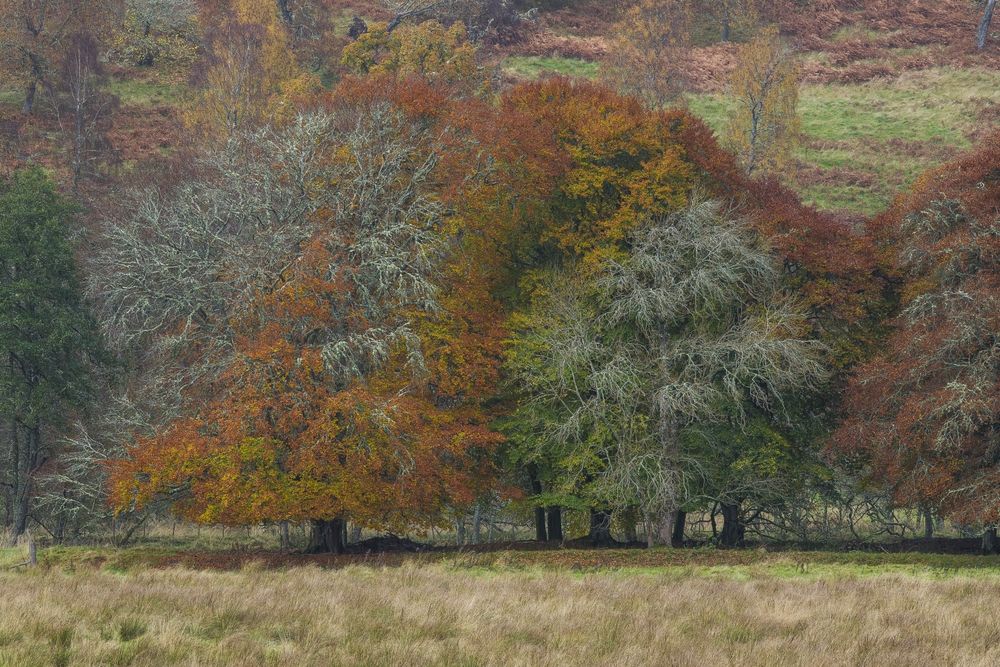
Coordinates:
(382, 288)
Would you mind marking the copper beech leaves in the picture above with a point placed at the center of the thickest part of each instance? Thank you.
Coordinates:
(921, 417)
(334, 353)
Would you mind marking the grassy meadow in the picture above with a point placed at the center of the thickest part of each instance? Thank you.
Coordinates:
(864, 143)
(660, 607)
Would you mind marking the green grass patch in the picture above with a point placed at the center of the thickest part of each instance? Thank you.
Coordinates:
(146, 93)
(533, 67)
(875, 138)
(855, 31)
(10, 96)
(865, 200)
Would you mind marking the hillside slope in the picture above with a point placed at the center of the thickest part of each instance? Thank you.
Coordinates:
(889, 89)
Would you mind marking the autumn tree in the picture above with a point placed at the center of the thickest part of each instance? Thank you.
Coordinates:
(620, 162)
(688, 329)
(84, 107)
(311, 315)
(764, 125)
(921, 417)
(252, 76)
(628, 166)
(153, 31)
(32, 34)
(650, 51)
(428, 49)
(47, 335)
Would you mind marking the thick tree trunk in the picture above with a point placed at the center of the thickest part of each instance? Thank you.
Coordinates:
(284, 536)
(541, 534)
(328, 536)
(25, 459)
(984, 25)
(630, 519)
(664, 529)
(19, 520)
(600, 528)
(671, 528)
(990, 540)
(460, 532)
(928, 523)
(733, 531)
(29, 97)
(677, 538)
(555, 523)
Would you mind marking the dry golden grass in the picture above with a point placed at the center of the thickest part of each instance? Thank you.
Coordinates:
(451, 614)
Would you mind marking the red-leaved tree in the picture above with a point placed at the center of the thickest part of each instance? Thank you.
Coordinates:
(923, 417)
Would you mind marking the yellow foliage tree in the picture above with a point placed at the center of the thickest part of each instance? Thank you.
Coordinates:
(764, 126)
(428, 49)
(253, 75)
(650, 50)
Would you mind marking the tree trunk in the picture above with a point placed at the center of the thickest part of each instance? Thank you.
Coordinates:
(928, 523)
(541, 534)
(555, 523)
(990, 540)
(29, 97)
(25, 462)
(677, 538)
(733, 530)
(19, 521)
(477, 525)
(984, 25)
(600, 528)
(536, 489)
(10, 488)
(460, 532)
(664, 529)
(630, 518)
(32, 552)
(328, 536)
(286, 540)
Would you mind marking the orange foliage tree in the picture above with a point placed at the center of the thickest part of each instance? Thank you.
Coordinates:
(335, 355)
(921, 417)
